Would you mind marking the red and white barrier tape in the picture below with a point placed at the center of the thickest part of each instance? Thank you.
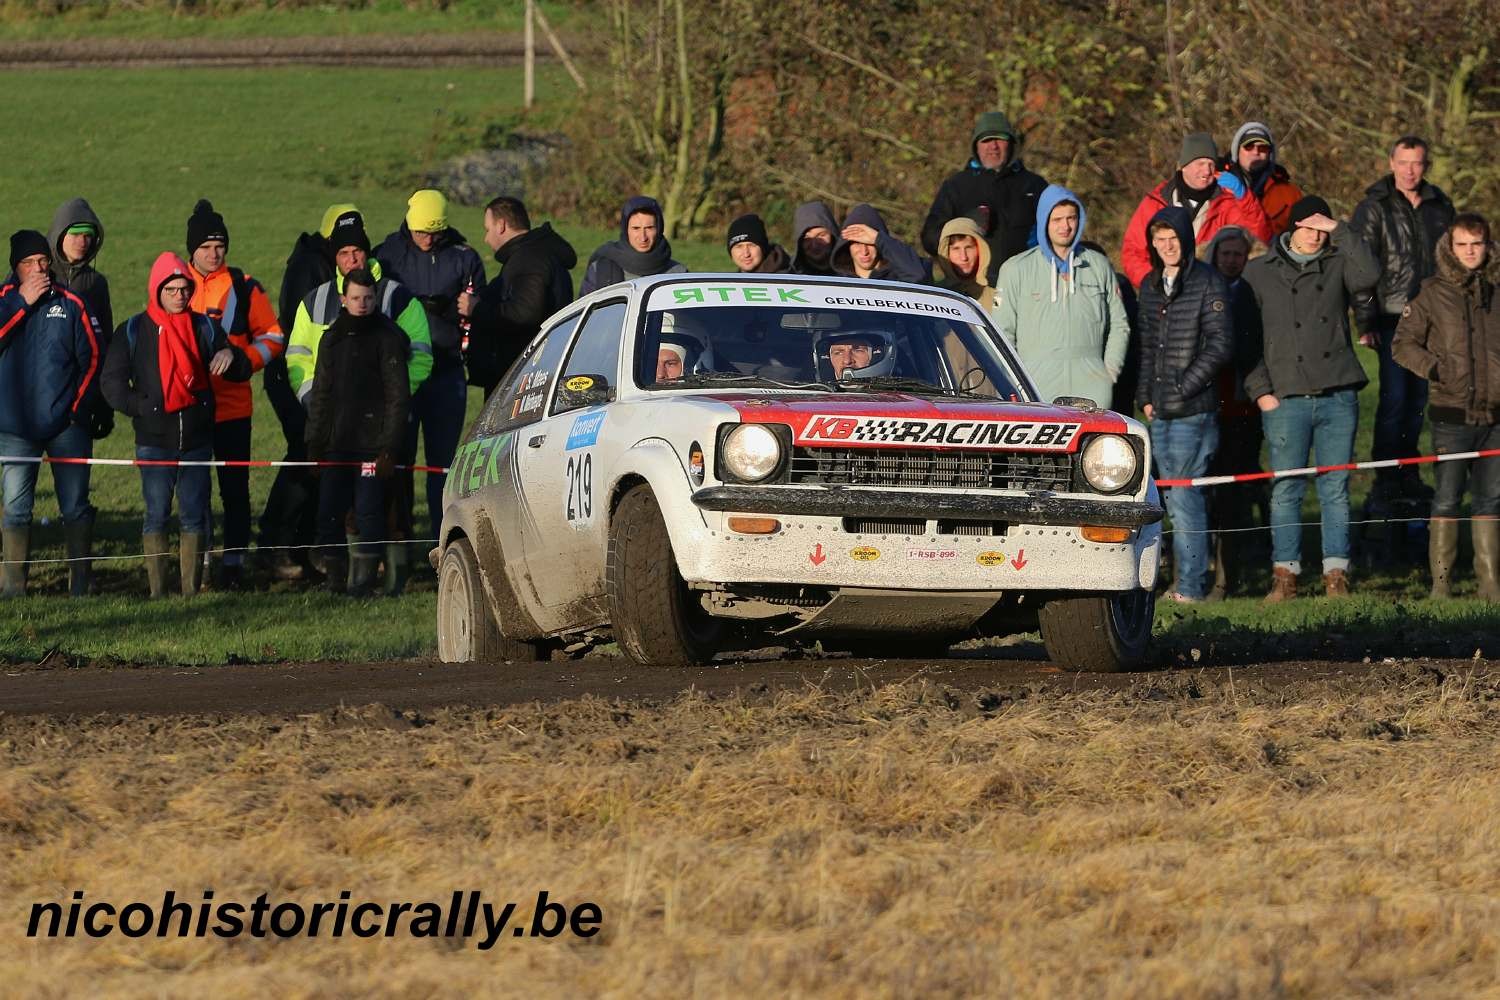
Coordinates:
(1319, 470)
(206, 463)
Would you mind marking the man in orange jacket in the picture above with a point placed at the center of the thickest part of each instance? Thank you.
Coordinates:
(238, 303)
(1253, 153)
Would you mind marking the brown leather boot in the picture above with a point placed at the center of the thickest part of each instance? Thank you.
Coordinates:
(1336, 583)
(1283, 585)
(1487, 557)
(1442, 553)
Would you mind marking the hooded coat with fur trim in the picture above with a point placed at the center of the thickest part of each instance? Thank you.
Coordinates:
(1450, 335)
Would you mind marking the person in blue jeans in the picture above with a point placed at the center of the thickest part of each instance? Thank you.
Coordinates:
(157, 373)
(49, 368)
(1187, 336)
(1308, 380)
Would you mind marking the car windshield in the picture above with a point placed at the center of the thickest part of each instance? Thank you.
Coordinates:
(828, 338)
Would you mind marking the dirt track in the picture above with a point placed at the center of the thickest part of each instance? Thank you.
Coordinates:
(404, 686)
(332, 50)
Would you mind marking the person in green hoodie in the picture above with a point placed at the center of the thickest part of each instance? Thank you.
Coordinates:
(1059, 306)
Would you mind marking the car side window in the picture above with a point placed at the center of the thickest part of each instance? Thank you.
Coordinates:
(595, 358)
(519, 399)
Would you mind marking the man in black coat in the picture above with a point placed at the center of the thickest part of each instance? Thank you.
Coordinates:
(1400, 220)
(1187, 336)
(994, 189)
(533, 283)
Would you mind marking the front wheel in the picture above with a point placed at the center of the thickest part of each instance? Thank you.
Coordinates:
(657, 619)
(467, 631)
(1100, 634)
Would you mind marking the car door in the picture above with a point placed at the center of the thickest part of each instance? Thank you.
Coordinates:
(563, 536)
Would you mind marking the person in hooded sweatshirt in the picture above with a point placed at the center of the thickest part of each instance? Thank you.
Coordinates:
(1059, 306)
(534, 282)
(994, 188)
(1213, 198)
(76, 237)
(288, 519)
(815, 231)
(1186, 337)
(1253, 153)
(357, 413)
(751, 248)
(866, 249)
(158, 372)
(640, 251)
(963, 261)
(50, 356)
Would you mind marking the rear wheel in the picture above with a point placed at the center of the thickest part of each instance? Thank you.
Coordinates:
(1101, 634)
(657, 619)
(466, 627)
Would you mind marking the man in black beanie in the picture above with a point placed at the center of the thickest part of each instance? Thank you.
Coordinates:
(1308, 380)
(752, 250)
(50, 358)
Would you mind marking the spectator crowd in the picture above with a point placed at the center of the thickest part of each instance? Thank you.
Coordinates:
(1226, 325)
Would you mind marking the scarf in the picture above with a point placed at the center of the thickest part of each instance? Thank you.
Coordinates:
(179, 362)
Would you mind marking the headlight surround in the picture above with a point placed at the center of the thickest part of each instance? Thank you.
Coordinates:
(751, 452)
(1109, 463)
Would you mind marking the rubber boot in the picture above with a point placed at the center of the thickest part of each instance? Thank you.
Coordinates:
(156, 563)
(1487, 557)
(336, 570)
(1442, 553)
(362, 575)
(17, 548)
(79, 537)
(190, 559)
(397, 568)
(351, 545)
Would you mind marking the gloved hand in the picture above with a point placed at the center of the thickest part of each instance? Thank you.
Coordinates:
(101, 421)
(1231, 181)
(385, 465)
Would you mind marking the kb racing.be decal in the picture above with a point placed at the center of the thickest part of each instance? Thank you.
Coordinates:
(1033, 434)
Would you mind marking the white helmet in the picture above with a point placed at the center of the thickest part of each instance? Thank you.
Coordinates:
(687, 335)
(882, 353)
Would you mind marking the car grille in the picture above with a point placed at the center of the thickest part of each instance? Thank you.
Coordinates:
(985, 470)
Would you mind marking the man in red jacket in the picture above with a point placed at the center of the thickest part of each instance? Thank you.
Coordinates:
(1213, 200)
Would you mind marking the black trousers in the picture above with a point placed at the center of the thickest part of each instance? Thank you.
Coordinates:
(232, 444)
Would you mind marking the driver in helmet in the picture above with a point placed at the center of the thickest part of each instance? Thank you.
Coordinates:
(682, 348)
(857, 354)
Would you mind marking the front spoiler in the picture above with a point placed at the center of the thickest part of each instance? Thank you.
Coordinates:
(878, 504)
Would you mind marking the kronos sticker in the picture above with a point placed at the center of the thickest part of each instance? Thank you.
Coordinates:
(1030, 434)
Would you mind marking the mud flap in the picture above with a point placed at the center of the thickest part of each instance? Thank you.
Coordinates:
(897, 612)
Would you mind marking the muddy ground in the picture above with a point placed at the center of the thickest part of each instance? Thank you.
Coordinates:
(409, 686)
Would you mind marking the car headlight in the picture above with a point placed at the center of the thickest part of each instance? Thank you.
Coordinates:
(1109, 463)
(751, 452)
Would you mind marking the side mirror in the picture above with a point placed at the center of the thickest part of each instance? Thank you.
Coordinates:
(578, 391)
(1081, 402)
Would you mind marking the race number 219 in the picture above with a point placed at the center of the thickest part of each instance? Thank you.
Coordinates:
(581, 486)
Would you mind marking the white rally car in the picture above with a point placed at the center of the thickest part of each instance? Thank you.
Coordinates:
(706, 462)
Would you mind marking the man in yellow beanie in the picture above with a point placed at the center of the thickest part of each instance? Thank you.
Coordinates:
(435, 263)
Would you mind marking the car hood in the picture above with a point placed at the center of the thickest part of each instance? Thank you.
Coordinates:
(900, 420)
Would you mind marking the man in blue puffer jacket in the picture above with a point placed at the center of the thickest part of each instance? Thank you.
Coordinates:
(49, 377)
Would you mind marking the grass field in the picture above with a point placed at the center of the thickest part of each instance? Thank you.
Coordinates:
(1188, 838)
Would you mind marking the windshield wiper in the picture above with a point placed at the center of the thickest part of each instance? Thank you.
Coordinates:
(731, 378)
(898, 382)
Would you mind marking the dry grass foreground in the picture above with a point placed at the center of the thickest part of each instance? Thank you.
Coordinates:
(1187, 838)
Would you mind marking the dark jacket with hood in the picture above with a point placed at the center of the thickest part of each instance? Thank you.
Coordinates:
(1403, 239)
(1186, 333)
(1009, 193)
(50, 358)
(812, 215)
(360, 395)
(618, 261)
(775, 261)
(1306, 348)
(435, 278)
(82, 278)
(533, 283)
(1450, 335)
(132, 379)
(897, 261)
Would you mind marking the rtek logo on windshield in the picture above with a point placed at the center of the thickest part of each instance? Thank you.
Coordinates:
(939, 433)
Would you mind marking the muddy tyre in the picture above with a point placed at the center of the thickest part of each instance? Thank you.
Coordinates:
(1099, 634)
(466, 627)
(657, 619)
